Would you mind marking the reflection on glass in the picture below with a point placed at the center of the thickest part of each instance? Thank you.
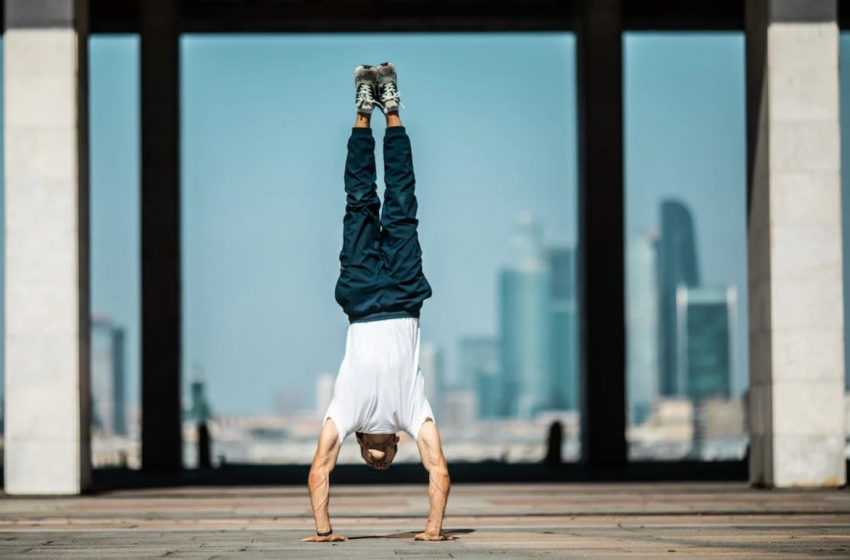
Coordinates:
(686, 246)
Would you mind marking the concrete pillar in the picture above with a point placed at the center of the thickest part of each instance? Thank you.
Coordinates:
(794, 240)
(162, 447)
(45, 65)
(601, 270)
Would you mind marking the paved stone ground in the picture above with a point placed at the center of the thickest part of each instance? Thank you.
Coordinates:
(523, 521)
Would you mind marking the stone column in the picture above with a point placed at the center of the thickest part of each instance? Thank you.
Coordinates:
(601, 270)
(794, 241)
(162, 447)
(45, 62)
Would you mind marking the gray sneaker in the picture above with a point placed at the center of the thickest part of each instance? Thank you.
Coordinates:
(389, 97)
(365, 87)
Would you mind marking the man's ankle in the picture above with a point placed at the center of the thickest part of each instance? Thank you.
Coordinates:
(364, 120)
(393, 119)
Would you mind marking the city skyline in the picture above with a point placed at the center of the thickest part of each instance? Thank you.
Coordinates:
(257, 322)
(532, 367)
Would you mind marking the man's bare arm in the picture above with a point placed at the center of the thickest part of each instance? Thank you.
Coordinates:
(431, 452)
(324, 462)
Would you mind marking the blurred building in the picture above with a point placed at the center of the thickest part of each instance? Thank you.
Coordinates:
(431, 365)
(720, 419)
(108, 372)
(642, 326)
(479, 367)
(706, 318)
(460, 409)
(324, 392)
(667, 434)
(524, 315)
(677, 266)
(563, 377)
(291, 400)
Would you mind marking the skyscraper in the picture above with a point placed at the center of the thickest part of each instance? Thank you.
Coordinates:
(479, 367)
(642, 326)
(706, 318)
(431, 365)
(563, 378)
(107, 377)
(677, 266)
(525, 323)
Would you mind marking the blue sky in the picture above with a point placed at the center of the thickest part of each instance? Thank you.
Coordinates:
(493, 124)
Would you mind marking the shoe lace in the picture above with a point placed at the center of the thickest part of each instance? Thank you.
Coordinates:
(390, 93)
(364, 94)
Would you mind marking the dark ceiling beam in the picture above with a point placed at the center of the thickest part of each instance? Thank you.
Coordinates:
(687, 15)
(277, 16)
(114, 16)
(306, 16)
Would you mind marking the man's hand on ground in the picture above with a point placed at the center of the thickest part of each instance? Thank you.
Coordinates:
(333, 537)
(427, 536)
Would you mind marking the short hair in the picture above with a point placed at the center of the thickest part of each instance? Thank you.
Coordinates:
(359, 435)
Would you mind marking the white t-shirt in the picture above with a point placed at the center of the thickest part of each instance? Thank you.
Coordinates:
(380, 389)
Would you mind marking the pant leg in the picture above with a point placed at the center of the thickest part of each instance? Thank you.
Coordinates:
(406, 285)
(359, 284)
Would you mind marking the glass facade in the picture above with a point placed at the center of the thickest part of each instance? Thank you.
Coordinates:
(563, 365)
(705, 323)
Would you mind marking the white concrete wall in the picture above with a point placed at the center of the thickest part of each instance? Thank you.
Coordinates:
(796, 280)
(47, 301)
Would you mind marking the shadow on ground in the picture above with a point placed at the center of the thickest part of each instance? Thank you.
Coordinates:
(454, 533)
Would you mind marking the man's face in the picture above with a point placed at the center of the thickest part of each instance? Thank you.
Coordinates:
(378, 450)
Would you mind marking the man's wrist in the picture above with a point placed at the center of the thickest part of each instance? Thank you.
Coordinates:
(327, 533)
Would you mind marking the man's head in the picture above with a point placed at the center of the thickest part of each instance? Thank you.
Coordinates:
(378, 450)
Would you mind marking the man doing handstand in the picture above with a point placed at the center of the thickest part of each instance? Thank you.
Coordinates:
(380, 390)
